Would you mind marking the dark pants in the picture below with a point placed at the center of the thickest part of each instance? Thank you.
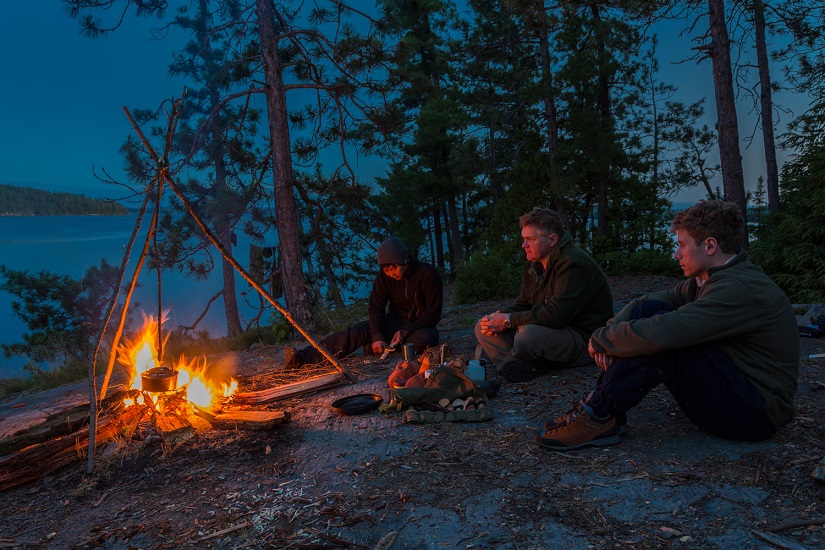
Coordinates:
(711, 391)
(342, 344)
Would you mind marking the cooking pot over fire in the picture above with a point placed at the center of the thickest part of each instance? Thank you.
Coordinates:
(159, 379)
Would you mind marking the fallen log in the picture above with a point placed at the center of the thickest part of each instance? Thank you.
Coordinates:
(36, 419)
(36, 461)
(290, 390)
(249, 420)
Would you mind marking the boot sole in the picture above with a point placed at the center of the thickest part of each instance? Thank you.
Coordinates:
(601, 442)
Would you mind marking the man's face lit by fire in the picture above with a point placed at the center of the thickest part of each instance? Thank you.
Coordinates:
(395, 271)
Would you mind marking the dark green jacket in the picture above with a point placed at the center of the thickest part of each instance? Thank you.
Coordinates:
(741, 310)
(573, 292)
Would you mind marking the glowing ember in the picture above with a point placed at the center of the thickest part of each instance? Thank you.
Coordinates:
(141, 355)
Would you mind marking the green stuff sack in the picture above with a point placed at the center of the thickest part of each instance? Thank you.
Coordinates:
(448, 383)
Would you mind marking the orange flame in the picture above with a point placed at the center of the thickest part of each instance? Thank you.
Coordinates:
(141, 355)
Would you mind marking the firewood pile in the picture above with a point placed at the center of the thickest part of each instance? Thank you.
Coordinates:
(30, 450)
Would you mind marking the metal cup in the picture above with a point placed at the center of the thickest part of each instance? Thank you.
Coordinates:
(409, 352)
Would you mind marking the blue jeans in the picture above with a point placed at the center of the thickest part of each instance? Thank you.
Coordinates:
(712, 392)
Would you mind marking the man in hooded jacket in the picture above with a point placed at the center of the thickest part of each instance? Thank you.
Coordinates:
(404, 307)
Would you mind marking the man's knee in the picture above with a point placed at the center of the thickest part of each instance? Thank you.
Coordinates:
(540, 342)
(531, 341)
(650, 308)
(481, 338)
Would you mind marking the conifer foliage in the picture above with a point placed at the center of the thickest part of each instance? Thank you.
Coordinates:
(478, 111)
(790, 244)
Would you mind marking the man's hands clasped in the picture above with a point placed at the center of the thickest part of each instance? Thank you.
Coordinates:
(493, 323)
(602, 359)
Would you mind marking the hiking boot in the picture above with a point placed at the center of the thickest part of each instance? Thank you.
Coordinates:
(522, 370)
(621, 420)
(580, 428)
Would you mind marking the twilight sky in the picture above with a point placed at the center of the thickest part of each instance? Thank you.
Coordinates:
(61, 96)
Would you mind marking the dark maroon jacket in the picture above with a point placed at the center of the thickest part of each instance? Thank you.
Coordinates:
(416, 300)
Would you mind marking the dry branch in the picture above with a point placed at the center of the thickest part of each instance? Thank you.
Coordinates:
(163, 168)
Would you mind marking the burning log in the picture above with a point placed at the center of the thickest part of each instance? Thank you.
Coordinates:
(173, 429)
(249, 420)
(37, 461)
(289, 390)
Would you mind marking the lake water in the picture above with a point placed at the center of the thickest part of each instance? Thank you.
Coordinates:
(69, 245)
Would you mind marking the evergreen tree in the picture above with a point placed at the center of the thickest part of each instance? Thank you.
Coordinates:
(790, 244)
(62, 315)
(766, 102)
(217, 137)
(431, 133)
(302, 49)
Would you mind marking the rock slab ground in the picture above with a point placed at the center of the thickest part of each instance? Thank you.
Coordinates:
(370, 481)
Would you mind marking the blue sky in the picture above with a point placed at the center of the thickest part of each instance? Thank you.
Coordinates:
(61, 96)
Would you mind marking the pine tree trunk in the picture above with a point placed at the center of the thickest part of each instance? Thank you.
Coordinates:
(224, 213)
(495, 186)
(334, 294)
(550, 116)
(727, 126)
(449, 236)
(230, 296)
(292, 275)
(455, 235)
(437, 235)
(603, 162)
(223, 229)
(766, 105)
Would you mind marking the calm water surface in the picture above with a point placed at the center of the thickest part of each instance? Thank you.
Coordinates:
(69, 245)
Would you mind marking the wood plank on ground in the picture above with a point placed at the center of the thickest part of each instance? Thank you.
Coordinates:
(249, 420)
(290, 390)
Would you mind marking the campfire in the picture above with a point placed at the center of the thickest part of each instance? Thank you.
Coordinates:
(153, 381)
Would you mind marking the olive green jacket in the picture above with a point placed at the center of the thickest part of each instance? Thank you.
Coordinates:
(573, 292)
(738, 308)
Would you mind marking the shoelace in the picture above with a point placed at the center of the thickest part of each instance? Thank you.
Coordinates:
(568, 418)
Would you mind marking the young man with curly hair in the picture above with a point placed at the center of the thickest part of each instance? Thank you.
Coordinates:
(723, 342)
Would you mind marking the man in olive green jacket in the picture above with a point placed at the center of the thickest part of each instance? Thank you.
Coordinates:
(564, 296)
(724, 343)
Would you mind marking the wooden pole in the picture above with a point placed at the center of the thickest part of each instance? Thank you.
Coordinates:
(164, 171)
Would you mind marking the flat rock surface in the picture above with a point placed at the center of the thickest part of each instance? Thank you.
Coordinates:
(324, 480)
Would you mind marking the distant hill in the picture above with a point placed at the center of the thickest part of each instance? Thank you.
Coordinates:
(25, 201)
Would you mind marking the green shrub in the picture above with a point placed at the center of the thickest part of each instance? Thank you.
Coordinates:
(648, 262)
(487, 277)
(790, 243)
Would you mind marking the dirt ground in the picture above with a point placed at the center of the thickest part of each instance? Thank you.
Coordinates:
(324, 480)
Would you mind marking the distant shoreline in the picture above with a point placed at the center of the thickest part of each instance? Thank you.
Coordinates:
(27, 201)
